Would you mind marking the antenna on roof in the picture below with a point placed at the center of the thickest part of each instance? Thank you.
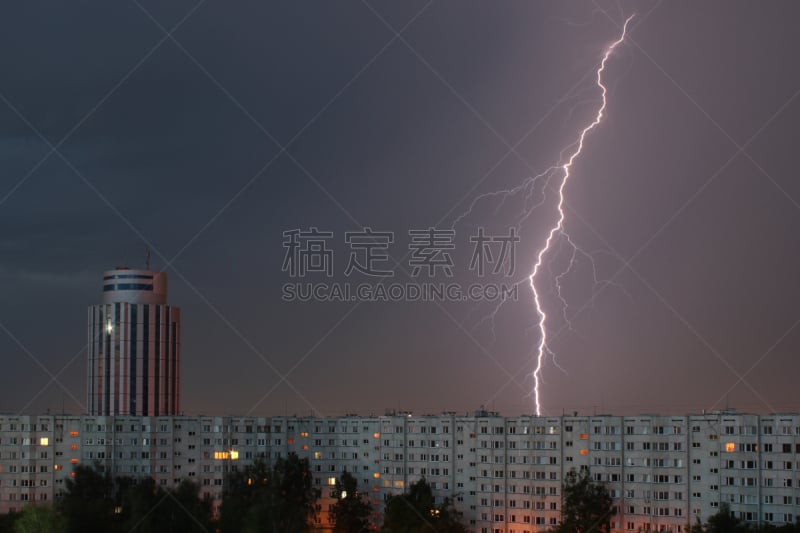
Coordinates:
(147, 258)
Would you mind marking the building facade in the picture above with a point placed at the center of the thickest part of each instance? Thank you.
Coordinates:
(504, 474)
(134, 349)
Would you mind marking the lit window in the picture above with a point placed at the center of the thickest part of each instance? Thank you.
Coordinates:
(290, 441)
(73, 461)
(234, 455)
(584, 436)
(730, 447)
(398, 484)
(304, 434)
(305, 446)
(317, 455)
(376, 475)
(584, 452)
(73, 433)
(222, 455)
(57, 467)
(376, 435)
(73, 447)
(331, 481)
(44, 441)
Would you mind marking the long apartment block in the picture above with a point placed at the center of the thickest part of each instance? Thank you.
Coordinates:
(504, 474)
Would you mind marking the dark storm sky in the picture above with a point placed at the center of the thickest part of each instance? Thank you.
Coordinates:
(686, 195)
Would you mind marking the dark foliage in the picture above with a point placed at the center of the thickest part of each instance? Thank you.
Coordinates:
(416, 511)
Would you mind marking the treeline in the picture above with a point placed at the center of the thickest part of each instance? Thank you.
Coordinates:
(725, 522)
(257, 498)
(94, 502)
(588, 508)
(281, 498)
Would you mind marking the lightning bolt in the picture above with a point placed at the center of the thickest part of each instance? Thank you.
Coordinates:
(542, 348)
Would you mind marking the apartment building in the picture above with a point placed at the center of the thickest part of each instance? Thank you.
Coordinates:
(505, 474)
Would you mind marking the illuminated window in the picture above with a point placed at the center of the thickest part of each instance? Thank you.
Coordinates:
(44, 441)
(584, 436)
(305, 446)
(331, 481)
(232, 455)
(730, 447)
(73, 433)
(304, 434)
(73, 447)
(376, 475)
(290, 441)
(317, 455)
(57, 467)
(584, 452)
(398, 484)
(73, 461)
(72, 474)
(376, 435)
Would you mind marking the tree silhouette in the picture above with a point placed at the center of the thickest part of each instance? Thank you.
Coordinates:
(416, 511)
(587, 505)
(277, 499)
(350, 512)
(88, 504)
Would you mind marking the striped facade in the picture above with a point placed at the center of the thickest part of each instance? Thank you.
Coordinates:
(133, 347)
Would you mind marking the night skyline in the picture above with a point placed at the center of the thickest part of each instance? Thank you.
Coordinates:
(209, 144)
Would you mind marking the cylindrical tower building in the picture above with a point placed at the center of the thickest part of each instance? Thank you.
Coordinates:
(134, 347)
